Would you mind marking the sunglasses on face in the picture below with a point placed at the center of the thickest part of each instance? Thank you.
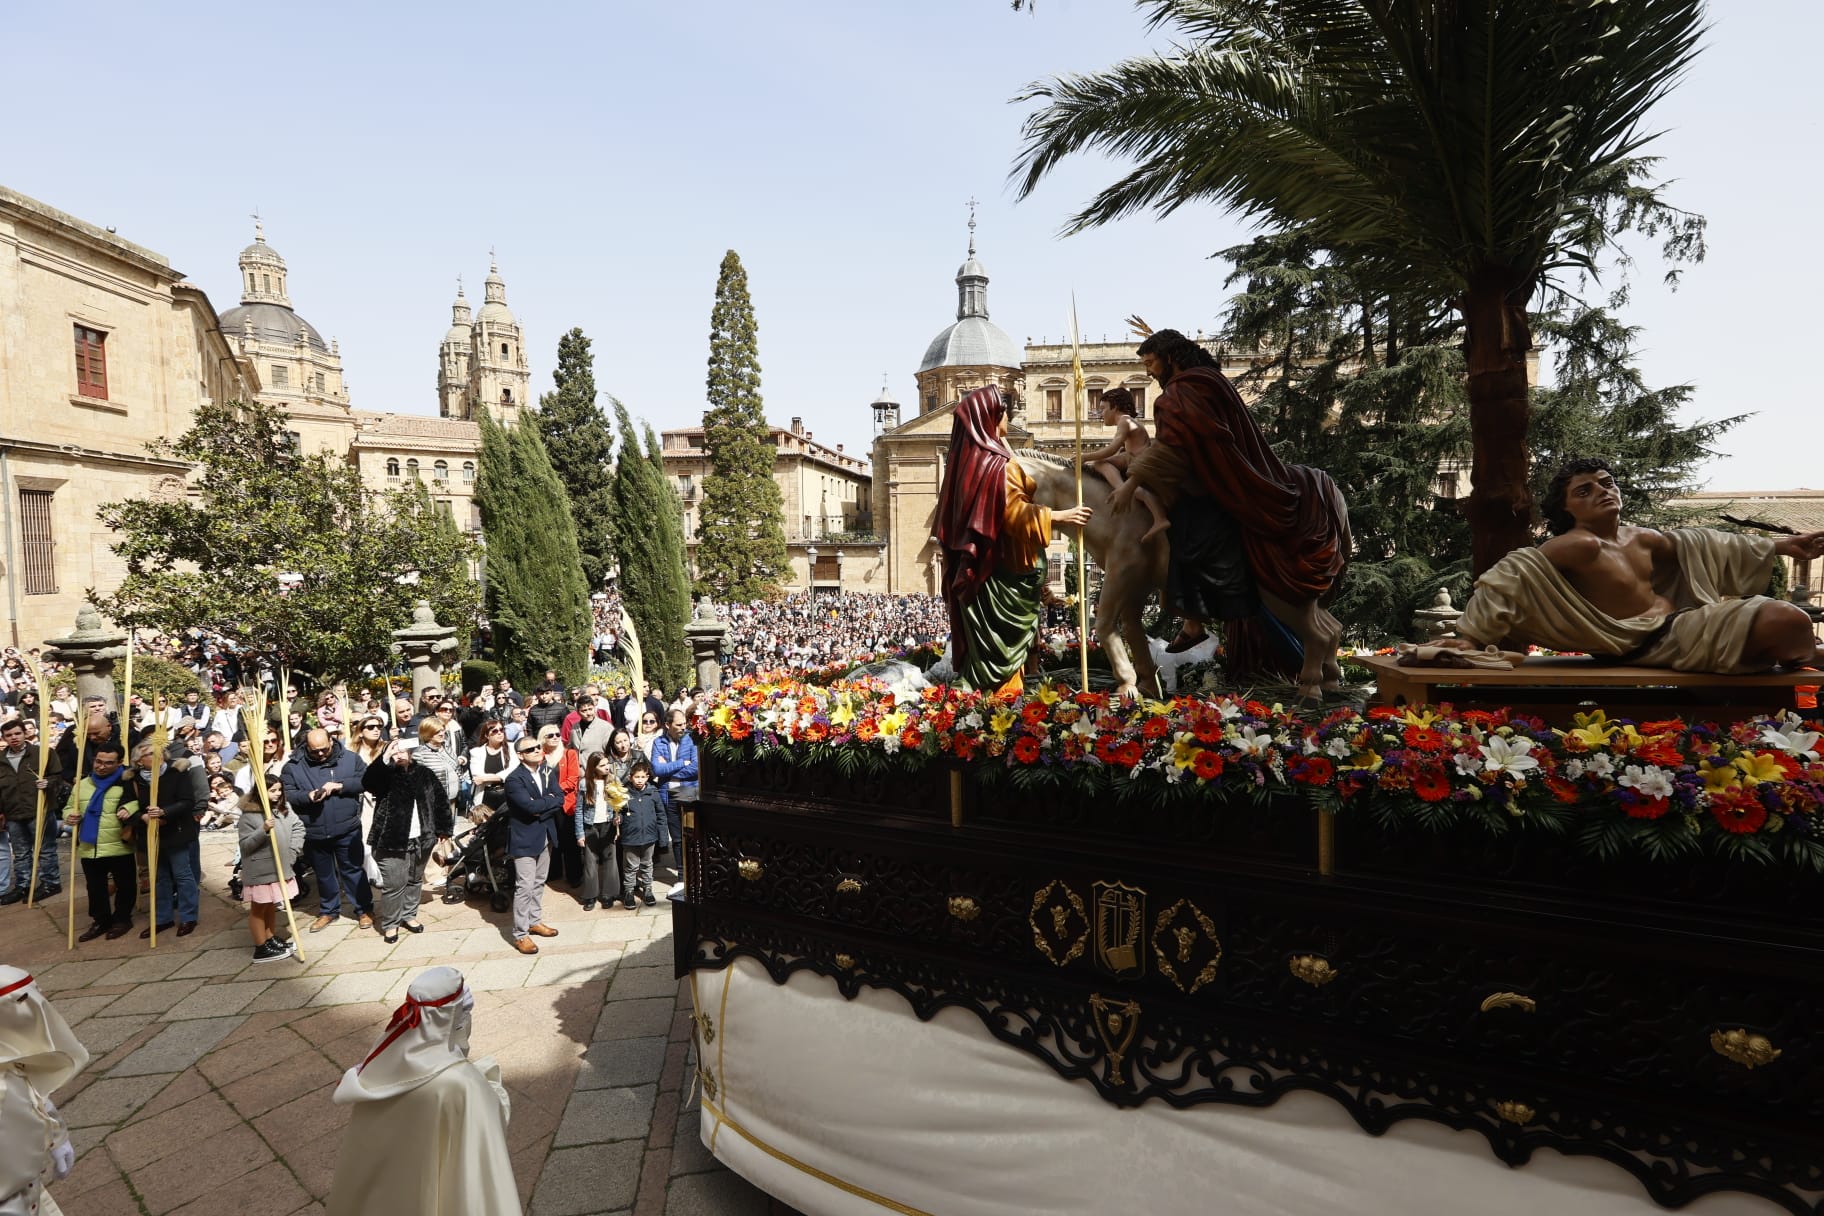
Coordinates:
(527, 751)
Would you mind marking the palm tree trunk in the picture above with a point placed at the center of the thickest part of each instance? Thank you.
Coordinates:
(1495, 345)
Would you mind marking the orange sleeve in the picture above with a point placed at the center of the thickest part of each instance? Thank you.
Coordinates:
(1027, 528)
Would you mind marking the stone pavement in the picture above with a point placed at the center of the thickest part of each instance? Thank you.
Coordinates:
(209, 1088)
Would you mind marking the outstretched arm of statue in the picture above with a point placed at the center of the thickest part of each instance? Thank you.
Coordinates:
(1803, 547)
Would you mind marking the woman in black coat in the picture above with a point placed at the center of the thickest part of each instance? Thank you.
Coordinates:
(411, 813)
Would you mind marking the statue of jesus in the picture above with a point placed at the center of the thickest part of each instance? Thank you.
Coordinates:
(1690, 598)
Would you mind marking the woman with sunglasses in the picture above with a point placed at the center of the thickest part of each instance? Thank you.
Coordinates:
(489, 764)
(648, 732)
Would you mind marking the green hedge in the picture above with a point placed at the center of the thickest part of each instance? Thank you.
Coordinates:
(478, 673)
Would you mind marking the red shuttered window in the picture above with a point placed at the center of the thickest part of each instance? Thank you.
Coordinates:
(91, 363)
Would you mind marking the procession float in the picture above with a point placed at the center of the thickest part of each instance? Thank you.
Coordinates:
(964, 946)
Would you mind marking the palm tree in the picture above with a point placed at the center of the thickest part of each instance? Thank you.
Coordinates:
(1464, 152)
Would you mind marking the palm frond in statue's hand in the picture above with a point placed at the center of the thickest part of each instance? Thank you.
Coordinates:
(1140, 327)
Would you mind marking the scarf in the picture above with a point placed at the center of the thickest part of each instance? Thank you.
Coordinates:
(90, 831)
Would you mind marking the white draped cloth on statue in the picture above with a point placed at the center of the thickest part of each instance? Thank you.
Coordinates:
(38, 1054)
(428, 1132)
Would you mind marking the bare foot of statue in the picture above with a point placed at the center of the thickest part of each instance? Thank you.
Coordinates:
(1159, 525)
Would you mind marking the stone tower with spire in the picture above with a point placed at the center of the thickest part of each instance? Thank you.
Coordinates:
(498, 378)
(453, 359)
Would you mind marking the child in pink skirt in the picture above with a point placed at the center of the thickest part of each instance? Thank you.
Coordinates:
(259, 875)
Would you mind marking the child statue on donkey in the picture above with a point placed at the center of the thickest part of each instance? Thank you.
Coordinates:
(1689, 598)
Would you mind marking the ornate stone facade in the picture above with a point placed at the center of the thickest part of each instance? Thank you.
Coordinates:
(103, 348)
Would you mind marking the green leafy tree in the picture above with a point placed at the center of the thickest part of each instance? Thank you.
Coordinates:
(537, 602)
(284, 554)
(741, 551)
(580, 442)
(1462, 152)
(651, 570)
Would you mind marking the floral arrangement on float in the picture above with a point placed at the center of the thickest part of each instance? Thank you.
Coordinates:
(1749, 790)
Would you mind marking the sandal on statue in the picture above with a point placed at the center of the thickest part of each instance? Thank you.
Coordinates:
(1184, 641)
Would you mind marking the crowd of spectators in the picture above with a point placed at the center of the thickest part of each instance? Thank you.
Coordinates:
(802, 630)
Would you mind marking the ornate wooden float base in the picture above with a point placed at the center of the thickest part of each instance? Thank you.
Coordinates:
(1666, 1023)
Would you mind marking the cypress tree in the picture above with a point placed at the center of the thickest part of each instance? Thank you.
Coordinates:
(537, 602)
(741, 538)
(650, 569)
(580, 443)
(671, 533)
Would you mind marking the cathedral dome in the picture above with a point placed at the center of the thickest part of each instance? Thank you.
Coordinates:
(272, 324)
(971, 342)
(461, 327)
(494, 307)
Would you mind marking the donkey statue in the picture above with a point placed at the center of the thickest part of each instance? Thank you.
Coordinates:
(1132, 569)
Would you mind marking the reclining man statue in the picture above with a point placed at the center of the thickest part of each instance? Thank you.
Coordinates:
(1690, 599)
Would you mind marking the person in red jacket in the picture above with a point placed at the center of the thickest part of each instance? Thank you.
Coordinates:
(565, 762)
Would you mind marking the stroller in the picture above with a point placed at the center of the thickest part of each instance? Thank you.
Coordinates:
(479, 865)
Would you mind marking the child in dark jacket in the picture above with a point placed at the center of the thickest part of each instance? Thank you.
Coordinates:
(639, 833)
(260, 872)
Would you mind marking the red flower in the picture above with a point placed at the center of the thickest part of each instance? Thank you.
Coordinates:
(943, 719)
(1430, 783)
(1207, 765)
(1026, 749)
(963, 745)
(1128, 754)
(1652, 808)
(1207, 730)
(1314, 770)
(866, 729)
(1105, 748)
(1381, 713)
(740, 728)
(1033, 712)
(1669, 726)
(1425, 739)
(910, 738)
(1661, 751)
(1740, 813)
(815, 732)
(1561, 789)
(1255, 709)
(1156, 727)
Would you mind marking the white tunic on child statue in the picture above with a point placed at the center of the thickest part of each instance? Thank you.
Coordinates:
(428, 1133)
(38, 1053)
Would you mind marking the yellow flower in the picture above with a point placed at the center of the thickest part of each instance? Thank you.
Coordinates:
(893, 723)
(1758, 767)
(1591, 729)
(1368, 759)
(1184, 750)
(1420, 717)
(721, 716)
(1002, 721)
(1047, 693)
(841, 713)
(1158, 709)
(1717, 780)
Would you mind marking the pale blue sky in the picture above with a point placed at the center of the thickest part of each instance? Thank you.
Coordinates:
(612, 152)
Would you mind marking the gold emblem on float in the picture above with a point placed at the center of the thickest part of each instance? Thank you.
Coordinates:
(1120, 920)
(1116, 1023)
(1060, 924)
(1186, 947)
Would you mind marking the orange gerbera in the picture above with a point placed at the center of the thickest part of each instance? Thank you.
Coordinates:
(1430, 783)
(1207, 765)
(1026, 749)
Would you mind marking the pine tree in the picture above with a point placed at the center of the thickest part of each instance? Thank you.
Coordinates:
(651, 569)
(537, 602)
(741, 537)
(580, 442)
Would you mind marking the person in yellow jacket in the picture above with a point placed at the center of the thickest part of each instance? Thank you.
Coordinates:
(99, 810)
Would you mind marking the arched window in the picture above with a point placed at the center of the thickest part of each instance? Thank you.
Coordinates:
(251, 284)
(411, 469)
(468, 471)
(392, 466)
(503, 350)
(265, 282)
(441, 470)
(506, 396)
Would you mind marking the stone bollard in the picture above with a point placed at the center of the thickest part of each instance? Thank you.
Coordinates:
(1437, 621)
(423, 644)
(90, 650)
(707, 636)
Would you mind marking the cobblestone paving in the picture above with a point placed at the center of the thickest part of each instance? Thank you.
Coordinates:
(209, 1088)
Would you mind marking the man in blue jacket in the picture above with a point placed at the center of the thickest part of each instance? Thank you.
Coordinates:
(534, 802)
(674, 768)
(323, 786)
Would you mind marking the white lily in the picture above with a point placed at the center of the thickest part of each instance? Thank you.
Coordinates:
(1508, 755)
(1650, 781)
(1792, 741)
